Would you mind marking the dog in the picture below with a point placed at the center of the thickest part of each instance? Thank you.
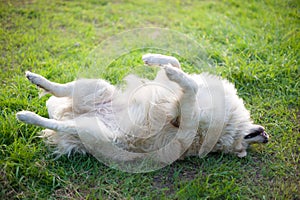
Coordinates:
(196, 114)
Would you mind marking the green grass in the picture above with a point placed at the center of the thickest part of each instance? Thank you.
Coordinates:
(254, 44)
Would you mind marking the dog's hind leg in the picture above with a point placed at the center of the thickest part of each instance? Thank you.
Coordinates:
(63, 135)
(75, 126)
(28, 117)
(59, 90)
(85, 93)
(83, 135)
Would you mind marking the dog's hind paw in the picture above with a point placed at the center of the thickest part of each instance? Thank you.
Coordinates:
(36, 79)
(27, 117)
(32, 77)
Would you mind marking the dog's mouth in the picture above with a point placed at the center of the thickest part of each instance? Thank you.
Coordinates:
(258, 136)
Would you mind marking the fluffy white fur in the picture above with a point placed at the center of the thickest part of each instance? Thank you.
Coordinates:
(146, 115)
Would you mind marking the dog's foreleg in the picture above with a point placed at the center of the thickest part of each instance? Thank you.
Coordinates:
(34, 119)
(188, 85)
(160, 60)
(59, 90)
(189, 110)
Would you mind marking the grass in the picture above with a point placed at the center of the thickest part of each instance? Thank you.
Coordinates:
(254, 44)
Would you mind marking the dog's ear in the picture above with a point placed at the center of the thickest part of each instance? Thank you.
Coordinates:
(257, 134)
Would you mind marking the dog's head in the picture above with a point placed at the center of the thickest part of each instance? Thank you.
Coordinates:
(256, 134)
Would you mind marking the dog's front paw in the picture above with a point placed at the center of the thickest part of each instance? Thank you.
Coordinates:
(173, 74)
(242, 154)
(27, 117)
(160, 60)
(178, 76)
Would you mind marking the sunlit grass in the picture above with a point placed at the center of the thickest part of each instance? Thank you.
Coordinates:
(254, 44)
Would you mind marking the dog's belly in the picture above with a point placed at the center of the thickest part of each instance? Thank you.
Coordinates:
(106, 114)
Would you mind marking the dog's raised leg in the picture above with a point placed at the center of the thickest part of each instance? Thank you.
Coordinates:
(160, 60)
(59, 90)
(189, 110)
(188, 85)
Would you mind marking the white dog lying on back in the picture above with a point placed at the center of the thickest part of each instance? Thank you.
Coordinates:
(147, 114)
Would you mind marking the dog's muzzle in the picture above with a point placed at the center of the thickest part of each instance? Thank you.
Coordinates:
(266, 137)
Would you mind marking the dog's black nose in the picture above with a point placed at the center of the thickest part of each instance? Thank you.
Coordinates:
(266, 141)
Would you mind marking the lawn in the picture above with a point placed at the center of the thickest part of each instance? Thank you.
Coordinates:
(254, 44)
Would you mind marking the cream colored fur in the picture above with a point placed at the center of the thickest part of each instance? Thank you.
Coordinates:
(145, 116)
